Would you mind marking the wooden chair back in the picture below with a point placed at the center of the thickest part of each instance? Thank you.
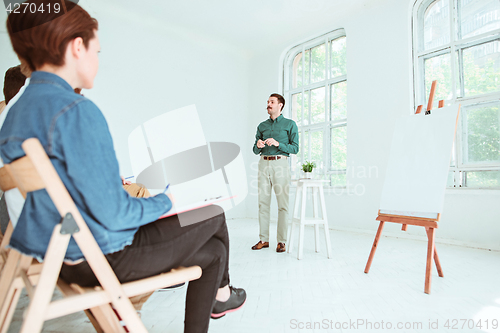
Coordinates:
(34, 172)
(14, 267)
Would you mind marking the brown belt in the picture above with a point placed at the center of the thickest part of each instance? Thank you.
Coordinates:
(272, 158)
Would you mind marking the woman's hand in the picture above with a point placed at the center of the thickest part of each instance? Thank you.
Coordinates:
(125, 182)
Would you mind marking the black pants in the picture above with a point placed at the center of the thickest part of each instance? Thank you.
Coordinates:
(164, 244)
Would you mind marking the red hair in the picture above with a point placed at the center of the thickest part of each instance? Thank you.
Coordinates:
(42, 37)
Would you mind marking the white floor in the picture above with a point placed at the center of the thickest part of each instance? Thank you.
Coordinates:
(317, 294)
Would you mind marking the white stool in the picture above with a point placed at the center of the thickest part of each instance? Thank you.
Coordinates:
(317, 187)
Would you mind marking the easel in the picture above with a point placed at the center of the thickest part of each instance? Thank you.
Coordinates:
(429, 223)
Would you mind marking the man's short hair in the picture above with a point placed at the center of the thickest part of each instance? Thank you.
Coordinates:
(42, 37)
(13, 81)
(280, 98)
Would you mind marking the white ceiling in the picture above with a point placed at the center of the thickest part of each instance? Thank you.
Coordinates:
(249, 25)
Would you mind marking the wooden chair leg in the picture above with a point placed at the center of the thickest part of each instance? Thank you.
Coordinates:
(101, 317)
(428, 266)
(436, 257)
(7, 278)
(34, 318)
(6, 236)
(106, 319)
(374, 247)
(94, 321)
(14, 299)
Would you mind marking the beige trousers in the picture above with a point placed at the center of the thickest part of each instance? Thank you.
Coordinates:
(273, 175)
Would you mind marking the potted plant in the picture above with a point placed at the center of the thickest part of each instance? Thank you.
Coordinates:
(308, 168)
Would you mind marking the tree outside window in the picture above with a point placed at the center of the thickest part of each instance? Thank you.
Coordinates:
(316, 85)
(457, 42)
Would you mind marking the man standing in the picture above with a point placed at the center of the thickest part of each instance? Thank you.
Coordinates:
(276, 138)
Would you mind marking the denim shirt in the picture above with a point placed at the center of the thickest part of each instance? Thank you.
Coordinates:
(77, 140)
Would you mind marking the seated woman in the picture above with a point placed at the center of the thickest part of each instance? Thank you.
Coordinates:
(63, 53)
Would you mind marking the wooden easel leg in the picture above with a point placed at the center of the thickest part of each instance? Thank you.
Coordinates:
(428, 266)
(436, 257)
(438, 263)
(374, 247)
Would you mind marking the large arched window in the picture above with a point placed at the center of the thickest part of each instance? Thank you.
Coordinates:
(315, 88)
(457, 42)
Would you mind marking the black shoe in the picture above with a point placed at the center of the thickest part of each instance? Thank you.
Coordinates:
(234, 303)
(174, 287)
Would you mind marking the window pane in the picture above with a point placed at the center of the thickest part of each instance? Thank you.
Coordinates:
(482, 68)
(437, 24)
(339, 148)
(306, 108)
(453, 158)
(318, 63)
(458, 79)
(317, 149)
(297, 108)
(338, 179)
(305, 147)
(318, 105)
(338, 100)
(479, 16)
(438, 68)
(307, 65)
(338, 57)
(482, 179)
(451, 179)
(297, 71)
(482, 134)
(295, 165)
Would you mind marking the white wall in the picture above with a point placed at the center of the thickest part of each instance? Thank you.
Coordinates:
(148, 67)
(379, 91)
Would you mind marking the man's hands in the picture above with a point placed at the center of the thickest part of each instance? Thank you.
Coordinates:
(272, 142)
(269, 142)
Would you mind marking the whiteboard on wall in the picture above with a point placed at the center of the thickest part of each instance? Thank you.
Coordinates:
(419, 163)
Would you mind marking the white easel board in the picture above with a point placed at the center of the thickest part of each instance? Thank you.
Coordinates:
(419, 162)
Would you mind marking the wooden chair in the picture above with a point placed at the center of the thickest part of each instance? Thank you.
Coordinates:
(35, 172)
(13, 265)
(18, 267)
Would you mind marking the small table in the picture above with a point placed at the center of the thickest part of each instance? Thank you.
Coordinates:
(300, 217)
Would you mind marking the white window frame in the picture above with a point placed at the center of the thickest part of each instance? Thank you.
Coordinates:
(288, 91)
(467, 103)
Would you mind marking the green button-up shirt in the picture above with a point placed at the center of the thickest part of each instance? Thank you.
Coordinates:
(281, 129)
